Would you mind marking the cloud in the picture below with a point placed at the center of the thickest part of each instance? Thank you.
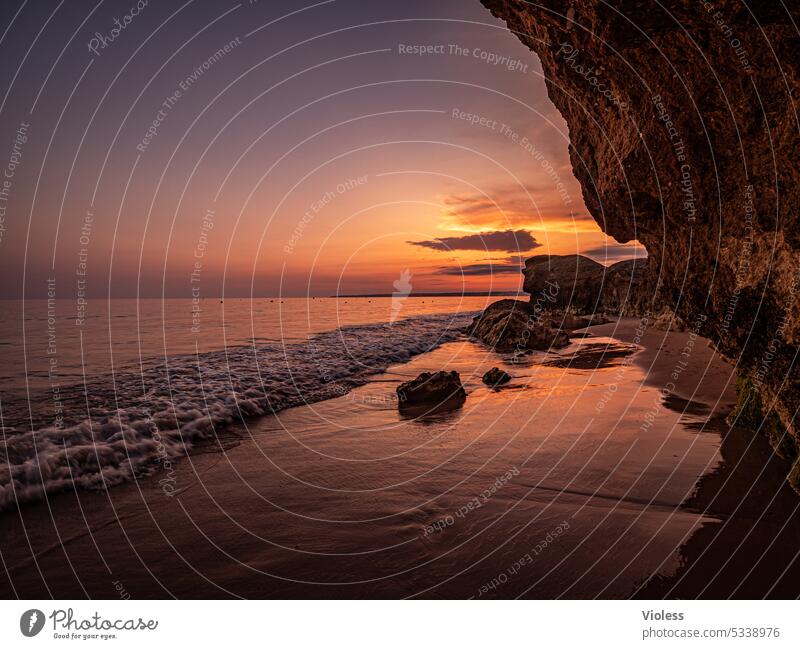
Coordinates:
(472, 270)
(528, 208)
(506, 240)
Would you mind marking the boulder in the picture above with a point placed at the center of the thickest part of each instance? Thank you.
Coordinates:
(564, 281)
(514, 325)
(581, 285)
(431, 392)
(495, 377)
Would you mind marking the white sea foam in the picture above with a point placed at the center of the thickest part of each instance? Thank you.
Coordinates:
(136, 420)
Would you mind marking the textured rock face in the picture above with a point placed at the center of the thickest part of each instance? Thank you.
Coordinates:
(431, 393)
(583, 285)
(684, 124)
(516, 326)
(564, 281)
(624, 289)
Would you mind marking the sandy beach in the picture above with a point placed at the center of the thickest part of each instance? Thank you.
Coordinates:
(535, 490)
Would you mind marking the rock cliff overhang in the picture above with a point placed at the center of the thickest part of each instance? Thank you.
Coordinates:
(684, 130)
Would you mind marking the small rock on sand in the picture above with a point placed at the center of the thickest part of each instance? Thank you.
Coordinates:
(496, 376)
(433, 391)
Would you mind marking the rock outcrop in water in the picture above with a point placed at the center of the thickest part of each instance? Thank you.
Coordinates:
(516, 326)
(684, 135)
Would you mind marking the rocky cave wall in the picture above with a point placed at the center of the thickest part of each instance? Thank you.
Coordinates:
(684, 129)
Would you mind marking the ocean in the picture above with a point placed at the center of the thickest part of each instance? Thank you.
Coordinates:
(264, 455)
(93, 394)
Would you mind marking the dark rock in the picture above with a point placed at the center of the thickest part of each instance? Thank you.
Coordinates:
(514, 325)
(496, 376)
(570, 322)
(751, 412)
(431, 392)
(666, 320)
(683, 136)
(564, 281)
(583, 286)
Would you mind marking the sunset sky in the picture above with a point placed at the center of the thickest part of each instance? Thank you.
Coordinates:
(318, 153)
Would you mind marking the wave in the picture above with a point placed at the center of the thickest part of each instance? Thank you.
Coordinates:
(125, 425)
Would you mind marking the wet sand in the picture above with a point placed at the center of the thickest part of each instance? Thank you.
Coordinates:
(749, 544)
(679, 361)
(535, 490)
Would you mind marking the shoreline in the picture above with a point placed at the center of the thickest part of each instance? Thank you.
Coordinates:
(313, 502)
(159, 409)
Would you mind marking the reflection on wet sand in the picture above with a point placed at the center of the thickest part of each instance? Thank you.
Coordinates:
(580, 478)
(749, 545)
